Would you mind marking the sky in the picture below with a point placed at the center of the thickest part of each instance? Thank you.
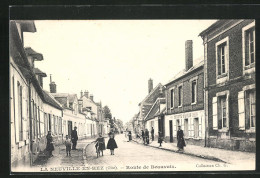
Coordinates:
(114, 59)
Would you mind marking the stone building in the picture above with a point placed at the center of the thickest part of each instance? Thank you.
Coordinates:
(31, 108)
(185, 101)
(230, 95)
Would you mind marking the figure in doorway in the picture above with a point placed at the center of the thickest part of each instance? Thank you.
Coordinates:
(74, 138)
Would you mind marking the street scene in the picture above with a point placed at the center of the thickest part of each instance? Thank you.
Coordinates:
(132, 95)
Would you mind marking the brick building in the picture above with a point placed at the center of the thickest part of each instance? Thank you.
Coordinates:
(185, 101)
(229, 56)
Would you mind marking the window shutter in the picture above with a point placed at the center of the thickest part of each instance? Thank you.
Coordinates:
(192, 127)
(227, 110)
(215, 113)
(200, 127)
(226, 58)
(241, 110)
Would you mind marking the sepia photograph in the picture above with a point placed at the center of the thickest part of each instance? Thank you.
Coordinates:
(132, 95)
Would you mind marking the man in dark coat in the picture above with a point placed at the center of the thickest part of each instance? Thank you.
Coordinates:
(146, 134)
(152, 133)
(74, 138)
(160, 138)
(143, 136)
(180, 139)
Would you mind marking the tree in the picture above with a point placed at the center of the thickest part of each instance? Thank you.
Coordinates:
(107, 112)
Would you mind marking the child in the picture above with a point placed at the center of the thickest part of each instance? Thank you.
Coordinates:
(68, 145)
(111, 143)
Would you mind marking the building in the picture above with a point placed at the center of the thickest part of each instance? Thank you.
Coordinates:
(148, 101)
(185, 101)
(31, 108)
(229, 55)
(155, 116)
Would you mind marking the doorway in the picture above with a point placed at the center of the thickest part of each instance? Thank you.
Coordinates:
(186, 131)
(171, 131)
(69, 128)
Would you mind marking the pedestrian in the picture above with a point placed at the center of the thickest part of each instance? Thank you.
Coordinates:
(160, 138)
(100, 141)
(49, 146)
(143, 136)
(68, 145)
(152, 134)
(129, 136)
(180, 139)
(111, 144)
(74, 138)
(146, 134)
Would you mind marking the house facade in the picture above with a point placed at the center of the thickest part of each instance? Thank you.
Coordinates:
(185, 102)
(230, 95)
(28, 101)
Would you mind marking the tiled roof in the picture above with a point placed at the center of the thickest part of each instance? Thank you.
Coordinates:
(51, 100)
(39, 72)
(30, 52)
(183, 72)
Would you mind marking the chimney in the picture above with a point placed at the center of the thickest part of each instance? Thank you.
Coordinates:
(188, 55)
(150, 85)
(86, 93)
(81, 93)
(52, 86)
(92, 97)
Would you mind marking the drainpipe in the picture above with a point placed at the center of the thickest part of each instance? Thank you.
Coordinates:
(30, 122)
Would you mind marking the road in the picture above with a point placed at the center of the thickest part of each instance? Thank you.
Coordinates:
(131, 156)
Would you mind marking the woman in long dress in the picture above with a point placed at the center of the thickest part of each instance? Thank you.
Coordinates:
(111, 144)
(49, 146)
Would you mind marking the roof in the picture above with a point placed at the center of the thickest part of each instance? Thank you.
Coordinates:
(150, 93)
(72, 97)
(51, 100)
(39, 72)
(27, 25)
(212, 27)
(183, 73)
(155, 108)
(36, 56)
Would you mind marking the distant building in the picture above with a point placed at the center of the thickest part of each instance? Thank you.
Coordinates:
(230, 94)
(185, 101)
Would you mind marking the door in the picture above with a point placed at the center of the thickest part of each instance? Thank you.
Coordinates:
(171, 131)
(186, 131)
(69, 128)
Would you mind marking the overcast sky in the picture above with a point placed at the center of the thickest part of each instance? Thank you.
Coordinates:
(113, 59)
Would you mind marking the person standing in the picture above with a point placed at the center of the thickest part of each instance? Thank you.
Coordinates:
(152, 134)
(143, 136)
(111, 144)
(160, 138)
(146, 134)
(68, 145)
(100, 141)
(74, 138)
(49, 146)
(180, 139)
(129, 135)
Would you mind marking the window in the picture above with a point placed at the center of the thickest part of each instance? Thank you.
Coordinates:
(220, 111)
(180, 95)
(45, 124)
(248, 36)
(193, 91)
(20, 110)
(222, 58)
(250, 108)
(172, 98)
(222, 118)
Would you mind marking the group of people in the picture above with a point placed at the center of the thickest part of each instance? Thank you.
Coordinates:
(68, 142)
(180, 138)
(111, 144)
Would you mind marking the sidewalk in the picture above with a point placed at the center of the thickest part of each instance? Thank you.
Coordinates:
(216, 154)
(59, 155)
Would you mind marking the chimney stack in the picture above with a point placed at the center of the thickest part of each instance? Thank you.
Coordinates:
(188, 55)
(150, 85)
(86, 93)
(81, 93)
(92, 97)
(52, 86)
